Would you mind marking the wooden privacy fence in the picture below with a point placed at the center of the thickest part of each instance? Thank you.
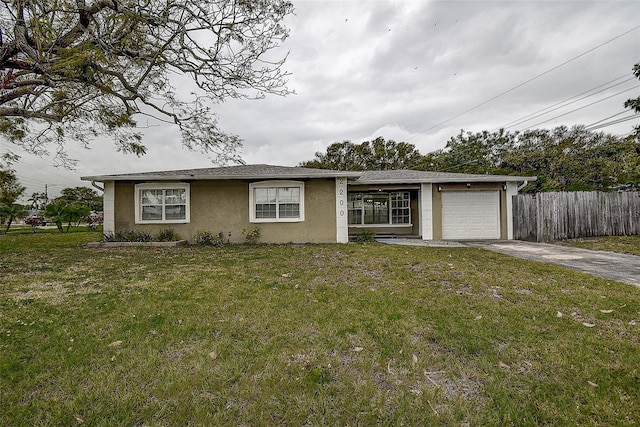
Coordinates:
(546, 217)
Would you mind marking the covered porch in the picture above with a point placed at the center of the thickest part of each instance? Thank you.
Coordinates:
(385, 210)
(467, 210)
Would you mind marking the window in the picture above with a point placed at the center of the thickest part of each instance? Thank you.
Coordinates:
(354, 206)
(400, 208)
(376, 208)
(276, 201)
(266, 202)
(380, 208)
(162, 203)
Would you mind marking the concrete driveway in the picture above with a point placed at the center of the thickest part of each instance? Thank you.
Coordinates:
(609, 265)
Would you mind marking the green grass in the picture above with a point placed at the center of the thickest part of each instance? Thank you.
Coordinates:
(308, 334)
(25, 229)
(621, 244)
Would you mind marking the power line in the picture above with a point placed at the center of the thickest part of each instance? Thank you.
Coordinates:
(614, 122)
(38, 167)
(589, 127)
(41, 186)
(526, 82)
(563, 104)
(607, 118)
(28, 180)
(580, 108)
(35, 181)
(568, 99)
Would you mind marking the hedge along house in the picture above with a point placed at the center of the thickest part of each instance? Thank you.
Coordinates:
(304, 205)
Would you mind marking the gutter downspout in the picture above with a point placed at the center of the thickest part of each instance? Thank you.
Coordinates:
(520, 187)
(93, 184)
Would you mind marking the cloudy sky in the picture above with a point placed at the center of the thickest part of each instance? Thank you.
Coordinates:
(414, 71)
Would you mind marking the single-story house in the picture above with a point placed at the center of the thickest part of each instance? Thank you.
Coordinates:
(297, 204)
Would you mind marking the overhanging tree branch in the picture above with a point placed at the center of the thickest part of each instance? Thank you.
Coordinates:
(86, 67)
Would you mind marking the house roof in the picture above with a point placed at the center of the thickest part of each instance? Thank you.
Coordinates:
(414, 176)
(296, 172)
(227, 172)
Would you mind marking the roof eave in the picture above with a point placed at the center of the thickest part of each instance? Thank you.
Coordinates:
(506, 178)
(103, 178)
(388, 181)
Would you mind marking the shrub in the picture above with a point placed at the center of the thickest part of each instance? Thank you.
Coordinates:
(206, 238)
(137, 236)
(365, 236)
(127, 236)
(167, 235)
(251, 236)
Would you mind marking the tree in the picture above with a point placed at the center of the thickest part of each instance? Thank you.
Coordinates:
(83, 195)
(634, 103)
(480, 152)
(11, 212)
(564, 159)
(10, 187)
(339, 156)
(60, 212)
(378, 154)
(37, 201)
(78, 69)
(10, 191)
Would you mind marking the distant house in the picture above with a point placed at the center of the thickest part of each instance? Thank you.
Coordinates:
(300, 205)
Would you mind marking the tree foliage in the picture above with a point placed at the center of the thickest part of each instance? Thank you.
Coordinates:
(9, 213)
(37, 201)
(10, 191)
(73, 205)
(61, 212)
(10, 187)
(634, 103)
(379, 154)
(83, 195)
(564, 159)
(78, 69)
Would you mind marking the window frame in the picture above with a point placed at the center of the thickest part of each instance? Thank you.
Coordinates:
(400, 207)
(164, 186)
(359, 207)
(276, 185)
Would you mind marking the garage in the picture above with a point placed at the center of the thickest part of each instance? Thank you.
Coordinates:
(470, 215)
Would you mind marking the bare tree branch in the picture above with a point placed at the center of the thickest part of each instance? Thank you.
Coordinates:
(75, 69)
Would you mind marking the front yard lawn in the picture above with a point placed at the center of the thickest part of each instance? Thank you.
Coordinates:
(308, 334)
(621, 244)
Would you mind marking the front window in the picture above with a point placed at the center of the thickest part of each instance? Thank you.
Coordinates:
(376, 208)
(266, 202)
(400, 208)
(276, 201)
(162, 203)
(380, 208)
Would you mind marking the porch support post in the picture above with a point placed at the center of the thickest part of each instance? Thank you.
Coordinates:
(342, 227)
(108, 202)
(512, 190)
(425, 211)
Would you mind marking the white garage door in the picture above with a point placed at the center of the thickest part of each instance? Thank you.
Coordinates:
(471, 215)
